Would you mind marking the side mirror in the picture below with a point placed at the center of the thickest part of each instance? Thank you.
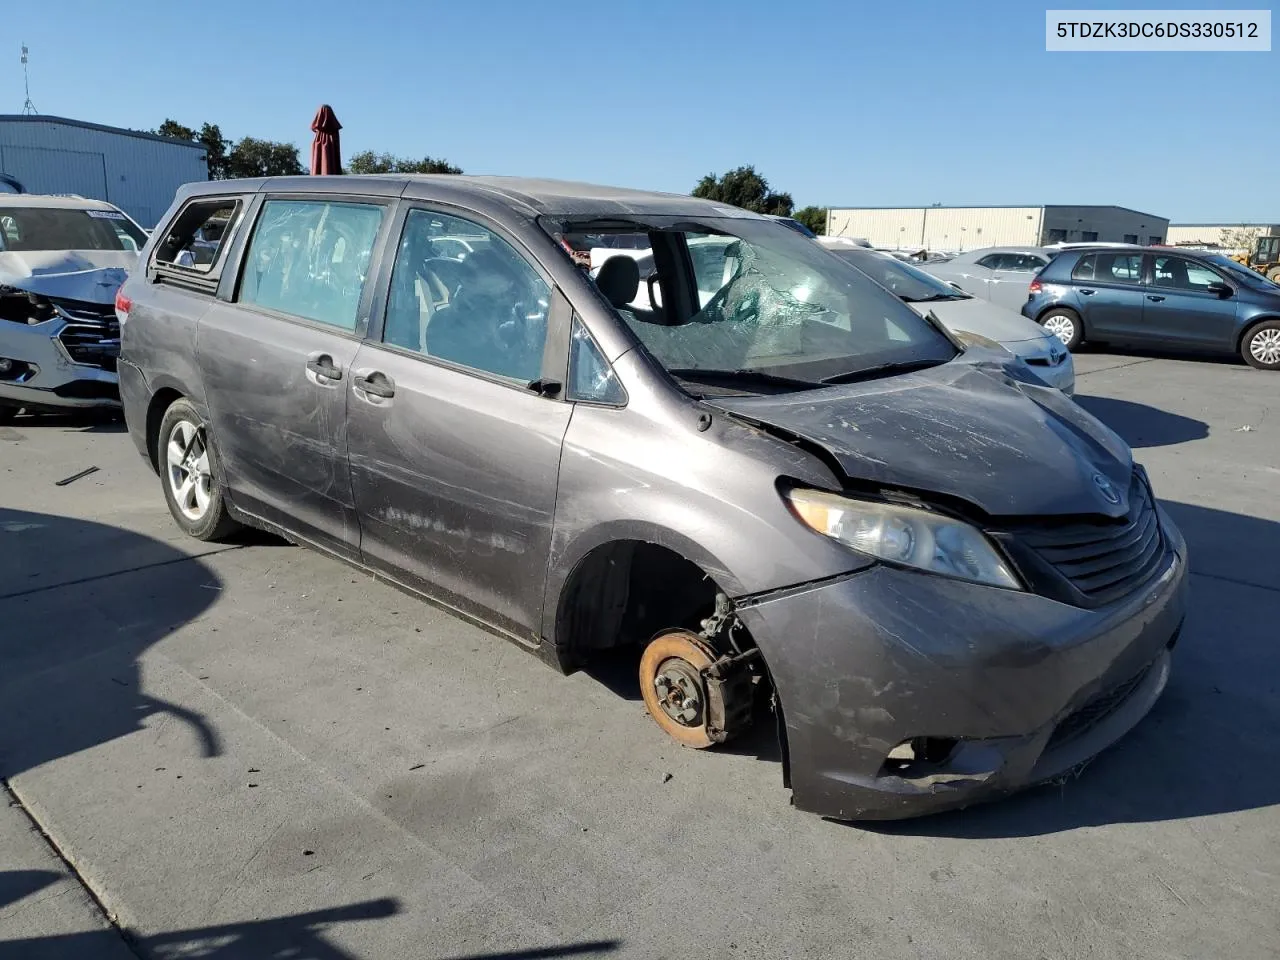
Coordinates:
(1220, 289)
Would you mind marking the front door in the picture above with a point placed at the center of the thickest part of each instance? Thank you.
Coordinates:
(1109, 291)
(276, 364)
(455, 452)
(1181, 309)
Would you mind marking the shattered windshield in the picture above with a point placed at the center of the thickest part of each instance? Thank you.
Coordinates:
(65, 228)
(769, 308)
(908, 283)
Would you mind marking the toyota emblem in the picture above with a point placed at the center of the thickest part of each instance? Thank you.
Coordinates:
(1105, 488)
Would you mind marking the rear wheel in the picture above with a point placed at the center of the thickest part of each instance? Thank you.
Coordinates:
(1065, 325)
(1274, 274)
(1261, 346)
(190, 475)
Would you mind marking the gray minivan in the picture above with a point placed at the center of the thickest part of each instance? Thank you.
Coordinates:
(781, 487)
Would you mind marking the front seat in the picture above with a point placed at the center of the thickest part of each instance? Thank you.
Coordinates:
(619, 281)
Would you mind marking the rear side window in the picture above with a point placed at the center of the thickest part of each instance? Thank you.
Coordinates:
(195, 241)
(1109, 268)
(993, 261)
(310, 259)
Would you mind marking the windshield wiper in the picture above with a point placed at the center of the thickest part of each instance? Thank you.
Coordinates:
(932, 298)
(759, 377)
(868, 373)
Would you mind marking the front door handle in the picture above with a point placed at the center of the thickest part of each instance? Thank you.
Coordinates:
(323, 366)
(1153, 298)
(1087, 293)
(376, 384)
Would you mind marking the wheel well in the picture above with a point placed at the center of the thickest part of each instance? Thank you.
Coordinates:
(1253, 325)
(161, 402)
(622, 593)
(1061, 309)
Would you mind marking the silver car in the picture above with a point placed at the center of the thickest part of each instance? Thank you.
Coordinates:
(968, 316)
(62, 259)
(999, 274)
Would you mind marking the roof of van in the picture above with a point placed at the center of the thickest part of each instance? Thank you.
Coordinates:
(554, 198)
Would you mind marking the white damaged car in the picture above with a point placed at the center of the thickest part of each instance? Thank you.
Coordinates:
(62, 259)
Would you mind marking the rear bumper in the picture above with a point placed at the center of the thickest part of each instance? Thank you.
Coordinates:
(1029, 688)
(45, 377)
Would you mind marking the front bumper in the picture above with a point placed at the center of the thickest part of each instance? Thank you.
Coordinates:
(44, 374)
(1029, 687)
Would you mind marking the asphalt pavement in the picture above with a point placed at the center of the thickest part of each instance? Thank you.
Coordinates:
(239, 750)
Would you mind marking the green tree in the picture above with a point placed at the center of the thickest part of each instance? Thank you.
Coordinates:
(815, 218)
(251, 157)
(743, 187)
(215, 150)
(175, 130)
(369, 162)
(209, 136)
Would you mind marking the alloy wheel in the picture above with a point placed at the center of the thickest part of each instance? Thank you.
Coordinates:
(190, 480)
(1265, 346)
(1061, 326)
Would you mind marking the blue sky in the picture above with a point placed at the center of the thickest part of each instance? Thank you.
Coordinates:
(839, 103)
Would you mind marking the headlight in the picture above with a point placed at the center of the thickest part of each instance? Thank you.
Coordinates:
(914, 538)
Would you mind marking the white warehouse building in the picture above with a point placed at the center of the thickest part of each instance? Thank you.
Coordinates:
(138, 172)
(956, 229)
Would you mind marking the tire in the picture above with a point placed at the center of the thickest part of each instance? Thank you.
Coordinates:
(1065, 324)
(198, 507)
(1260, 345)
(1274, 275)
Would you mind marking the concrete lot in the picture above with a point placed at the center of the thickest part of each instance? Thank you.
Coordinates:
(245, 747)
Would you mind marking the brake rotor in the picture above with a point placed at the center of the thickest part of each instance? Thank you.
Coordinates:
(673, 689)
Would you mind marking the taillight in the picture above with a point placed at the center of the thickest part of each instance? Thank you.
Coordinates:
(123, 306)
(1035, 287)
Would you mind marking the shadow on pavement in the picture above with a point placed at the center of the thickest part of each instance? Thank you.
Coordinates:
(1141, 425)
(296, 937)
(1201, 750)
(16, 884)
(73, 631)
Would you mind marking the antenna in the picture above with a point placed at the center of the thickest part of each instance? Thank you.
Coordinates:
(27, 107)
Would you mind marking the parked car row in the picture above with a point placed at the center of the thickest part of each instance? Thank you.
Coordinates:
(776, 473)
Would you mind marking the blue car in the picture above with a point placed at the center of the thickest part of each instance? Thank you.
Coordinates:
(1160, 298)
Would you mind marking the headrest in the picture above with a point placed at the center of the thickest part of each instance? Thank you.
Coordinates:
(619, 280)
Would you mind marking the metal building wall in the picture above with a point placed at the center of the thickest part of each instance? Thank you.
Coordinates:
(895, 228)
(139, 174)
(1111, 224)
(938, 228)
(957, 229)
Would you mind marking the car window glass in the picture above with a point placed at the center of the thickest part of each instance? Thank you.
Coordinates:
(310, 259)
(1025, 263)
(486, 310)
(591, 378)
(197, 236)
(767, 299)
(992, 261)
(1109, 268)
(1183, 274)
(67, 228)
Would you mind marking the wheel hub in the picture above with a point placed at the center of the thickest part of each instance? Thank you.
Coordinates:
(679, 691)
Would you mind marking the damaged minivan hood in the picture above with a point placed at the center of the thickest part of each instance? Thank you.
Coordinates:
(91, 276)
(963, 429)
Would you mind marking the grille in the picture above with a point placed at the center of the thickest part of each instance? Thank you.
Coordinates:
(1094, 712)
(92, 334)
(1106, 560)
